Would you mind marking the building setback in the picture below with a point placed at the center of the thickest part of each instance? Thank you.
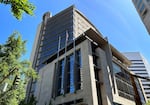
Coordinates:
(143, 9)
(69, 21)
(140, 67)
(77, 66)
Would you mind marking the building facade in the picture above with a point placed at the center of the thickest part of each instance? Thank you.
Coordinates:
(77, 66)
(69, 21)
(143, 9)
(140, 67)
(90, 73)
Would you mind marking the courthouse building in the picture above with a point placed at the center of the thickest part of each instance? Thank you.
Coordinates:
(78, 66)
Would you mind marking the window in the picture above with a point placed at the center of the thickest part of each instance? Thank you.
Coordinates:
(123, 82)
(114, 103)
(144, 13)
(139, 3)
(71, 73)
(139, 90)
(136, 60)
(137, 66)
(135, 1)
(68, 75)
(74, 102)
(136, 63)
(124, 89)
(78, 69)
(74, 72)
(148, 0)
(60, 77)
(142, 8)
(116, 68)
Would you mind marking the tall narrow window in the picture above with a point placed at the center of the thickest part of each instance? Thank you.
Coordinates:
(68, 76)
(142, 8)
(60, 77)
(71, 68)
(78, 69)
(139, 3)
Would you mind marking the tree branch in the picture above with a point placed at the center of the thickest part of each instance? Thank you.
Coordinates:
(7, 75)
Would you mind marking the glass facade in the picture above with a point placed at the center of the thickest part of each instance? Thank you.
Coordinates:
(70, 67)
(61, 77)
(55, 26)
(69, 74)
(78, 64)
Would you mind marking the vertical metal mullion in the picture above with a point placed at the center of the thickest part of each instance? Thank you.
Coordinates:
(75, 71)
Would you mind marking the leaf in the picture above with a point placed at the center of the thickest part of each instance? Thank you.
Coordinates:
(18, 7)
(10, 67)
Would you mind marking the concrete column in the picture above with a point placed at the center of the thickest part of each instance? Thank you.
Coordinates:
(105, 78)
(89, 84)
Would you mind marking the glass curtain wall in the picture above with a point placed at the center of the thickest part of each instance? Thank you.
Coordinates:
(69, 74)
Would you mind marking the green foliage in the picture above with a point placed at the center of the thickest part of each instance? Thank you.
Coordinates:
(11, 66)
(18, 7)
(148, 102)
(32, 101)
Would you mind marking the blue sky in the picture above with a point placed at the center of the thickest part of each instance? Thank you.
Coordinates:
(115, 19)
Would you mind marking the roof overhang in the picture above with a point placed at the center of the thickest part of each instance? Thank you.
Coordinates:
(96, 38)
(103, 41)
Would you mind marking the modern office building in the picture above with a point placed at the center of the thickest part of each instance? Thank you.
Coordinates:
(77, 66)
(143, 9)
(140, 67)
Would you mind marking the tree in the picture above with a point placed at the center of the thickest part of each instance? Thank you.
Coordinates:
(32, 101)
(148, 102)
(18, 7)
(14, 72)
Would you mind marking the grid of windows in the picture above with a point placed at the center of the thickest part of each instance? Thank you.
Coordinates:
(139, 68)
(68, 75)
(125, 88)
(50, 35)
